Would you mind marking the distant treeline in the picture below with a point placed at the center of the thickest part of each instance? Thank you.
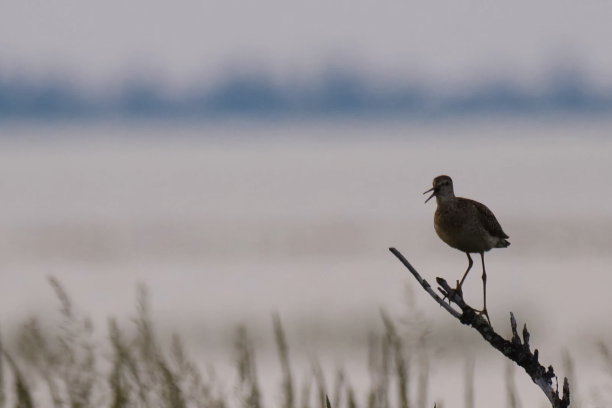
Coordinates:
(335, 94)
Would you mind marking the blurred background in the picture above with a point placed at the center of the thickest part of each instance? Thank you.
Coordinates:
(244, 158)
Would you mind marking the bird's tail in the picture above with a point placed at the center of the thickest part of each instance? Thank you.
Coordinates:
(502, 243)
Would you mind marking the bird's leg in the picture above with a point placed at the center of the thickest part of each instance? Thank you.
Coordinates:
(470, 263)
(458, 289)
(484, 289)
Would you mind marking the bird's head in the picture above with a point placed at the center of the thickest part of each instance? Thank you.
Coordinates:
(442, 188)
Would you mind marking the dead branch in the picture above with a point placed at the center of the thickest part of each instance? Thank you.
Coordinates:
(514, 349)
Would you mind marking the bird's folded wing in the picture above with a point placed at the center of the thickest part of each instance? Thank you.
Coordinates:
(488, 220)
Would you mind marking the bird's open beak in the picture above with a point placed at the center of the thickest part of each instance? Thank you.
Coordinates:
(432, 194)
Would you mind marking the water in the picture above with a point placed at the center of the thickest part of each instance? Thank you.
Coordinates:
(228, 224)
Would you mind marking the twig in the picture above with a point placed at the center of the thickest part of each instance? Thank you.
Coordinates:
(514, 349)
(425, 284)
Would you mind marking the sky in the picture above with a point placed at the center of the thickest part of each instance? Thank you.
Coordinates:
(97, 43)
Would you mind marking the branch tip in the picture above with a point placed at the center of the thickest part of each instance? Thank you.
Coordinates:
(526, 336)
(566, 392)
(515, 338)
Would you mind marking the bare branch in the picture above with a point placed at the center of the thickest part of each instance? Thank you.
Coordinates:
(514, 349)
(425, 284)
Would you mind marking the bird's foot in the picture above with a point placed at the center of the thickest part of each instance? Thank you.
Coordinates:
(484, 313)
(452, 292)
(458, 289)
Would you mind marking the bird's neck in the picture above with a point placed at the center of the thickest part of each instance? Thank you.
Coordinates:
(445, 199)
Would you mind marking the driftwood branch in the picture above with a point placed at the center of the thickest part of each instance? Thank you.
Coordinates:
(515, 349)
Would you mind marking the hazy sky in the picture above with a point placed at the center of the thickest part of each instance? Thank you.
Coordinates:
(183, 40)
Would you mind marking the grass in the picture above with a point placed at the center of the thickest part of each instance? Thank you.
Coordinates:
(65, 367)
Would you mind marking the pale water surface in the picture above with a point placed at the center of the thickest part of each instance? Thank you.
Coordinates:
(229, 223)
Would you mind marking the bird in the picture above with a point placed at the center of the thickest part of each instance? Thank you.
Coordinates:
(466, 225)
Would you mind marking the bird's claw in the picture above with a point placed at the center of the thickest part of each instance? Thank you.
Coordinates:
(484, 313)
(458, 291)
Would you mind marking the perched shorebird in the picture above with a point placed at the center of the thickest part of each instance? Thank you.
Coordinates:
(466, 225)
